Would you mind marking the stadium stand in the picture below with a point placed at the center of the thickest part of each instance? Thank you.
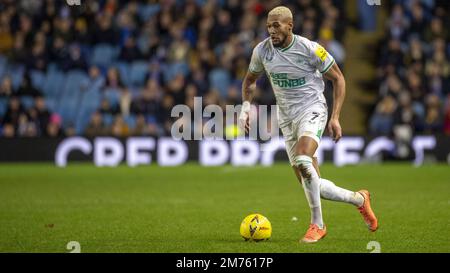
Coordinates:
(122, 65)
(413, 72)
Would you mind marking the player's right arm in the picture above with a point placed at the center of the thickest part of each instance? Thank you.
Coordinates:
(248, 86)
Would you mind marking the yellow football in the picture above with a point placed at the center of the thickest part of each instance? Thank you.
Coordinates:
(256, 227)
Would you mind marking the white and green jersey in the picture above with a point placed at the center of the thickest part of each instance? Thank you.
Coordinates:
(295, 73)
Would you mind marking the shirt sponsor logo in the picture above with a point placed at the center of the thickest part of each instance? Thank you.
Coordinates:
(281, 80)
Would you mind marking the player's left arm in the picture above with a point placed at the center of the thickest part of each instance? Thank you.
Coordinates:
(335, 75)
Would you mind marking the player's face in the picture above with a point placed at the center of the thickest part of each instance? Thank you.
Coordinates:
(278, 29)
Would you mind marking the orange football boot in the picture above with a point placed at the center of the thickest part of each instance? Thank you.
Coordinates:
(314, 233)
(367, 212)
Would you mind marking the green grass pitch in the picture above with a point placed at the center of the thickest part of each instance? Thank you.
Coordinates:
(196, 209)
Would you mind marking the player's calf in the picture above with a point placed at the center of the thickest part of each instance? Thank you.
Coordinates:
(311, 186)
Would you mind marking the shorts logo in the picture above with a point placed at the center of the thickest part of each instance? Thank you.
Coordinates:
(319, 133)
(321, 53)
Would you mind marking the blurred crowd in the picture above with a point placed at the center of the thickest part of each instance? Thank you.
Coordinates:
(413, 73)
(118, 67)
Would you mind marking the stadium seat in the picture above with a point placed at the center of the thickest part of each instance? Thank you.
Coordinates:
(69, 100)
(130, 120)
(54, 82)
(138, 73)
(37, 79)
(50, 103)
(145, 12)
(52, 67)
(108, 119)
(16, 72)
(220, 79)
(124, 70)
(74, 80)
(3, 66)
(27, 102)
(68, 109)
(91, 99)
(104, 55)
(3, 106)
(171, 70)
(83, 119)
(90, 102)
(112, 95)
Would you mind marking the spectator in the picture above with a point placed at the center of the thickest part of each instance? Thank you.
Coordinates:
(13, 111)
(42, 114)
(447, 117)
(6, 39)
(164, 116)
(8, 130)
(125, 102)
(194, 48)
(398, 23)
(54, 129)
(405, 113)
(27, 89)
(113, 80)
(95, 80)
(107, 108)
(26, 127)
(18, 53)
(6, 89)
(414, 67)
(59, 52)
(382, 120)
(130, 52)
(39, 58)
(119, 127)
(433, 117)
(148, 101)
(81, 34)
(75, 60)
(140, 127)
(96, 127)
(105, 31)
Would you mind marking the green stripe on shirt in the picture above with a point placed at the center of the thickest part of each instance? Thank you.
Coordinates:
(328, 67)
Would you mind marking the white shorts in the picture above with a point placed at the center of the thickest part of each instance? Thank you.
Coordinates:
(311, 123)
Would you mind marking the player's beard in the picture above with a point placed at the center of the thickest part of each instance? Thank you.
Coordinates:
(280, 42)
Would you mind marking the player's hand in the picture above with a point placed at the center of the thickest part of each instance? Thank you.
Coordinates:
(334, 129)
(244, 116)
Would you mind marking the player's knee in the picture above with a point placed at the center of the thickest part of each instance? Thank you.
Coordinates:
(301, 150)
(304, 164)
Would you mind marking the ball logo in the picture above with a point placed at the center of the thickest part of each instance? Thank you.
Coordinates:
(252, 230)
(253, 226)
